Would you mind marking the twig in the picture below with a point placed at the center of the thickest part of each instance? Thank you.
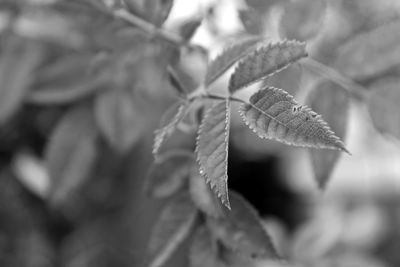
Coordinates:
(150, 28)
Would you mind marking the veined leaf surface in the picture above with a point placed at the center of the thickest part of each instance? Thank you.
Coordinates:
(212, 148)
(332, 102)
(228, 57)
(273, 114)
(265, 61)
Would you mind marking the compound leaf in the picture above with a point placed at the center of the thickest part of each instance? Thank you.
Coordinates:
(383, 107)
(170, 121)
(173, 226)
(265, 61)
(228, 57)
(71, 152)
(273, 114)
(332, 102)
(212, 148)
(169, 173)
(241, 230)
(118, 119)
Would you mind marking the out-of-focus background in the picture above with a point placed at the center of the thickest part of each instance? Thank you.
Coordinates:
(70, 196)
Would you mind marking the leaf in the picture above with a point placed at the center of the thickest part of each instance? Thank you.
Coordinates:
(273, 114)
(241, 230)
(169, 173)
(202, 195)
(371, 54)
(204, 251)
(154, 11)
(383, 107)
(189, 28)
(266, 61)
(71, 152)
(212, 148)
(169, 123)
(332, 102)
(303, 19)
(118, 119)
(174, 225)
(66, 95)
(228, 57)
(18, 60)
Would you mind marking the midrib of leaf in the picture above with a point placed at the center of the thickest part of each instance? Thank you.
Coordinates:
(282, 123)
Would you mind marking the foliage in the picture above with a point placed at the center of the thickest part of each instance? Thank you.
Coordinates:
(99, 77)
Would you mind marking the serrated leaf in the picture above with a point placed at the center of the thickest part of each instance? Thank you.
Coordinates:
(370, 54)
(303, 19)
(174, 225)
(265, 61)
(384, 108)
(202, 195)
(18, 60)
(212, 148)
(332, 102)
(118, 119)
(273, 114)
(169, 173)
(169, 122)
(228, 57)
(204, 250)
(242, 231)
(71, 152)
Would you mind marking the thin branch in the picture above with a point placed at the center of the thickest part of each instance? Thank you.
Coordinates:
(150, 28)
(357, 90)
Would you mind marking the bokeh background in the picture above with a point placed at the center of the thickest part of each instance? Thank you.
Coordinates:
(105, 218)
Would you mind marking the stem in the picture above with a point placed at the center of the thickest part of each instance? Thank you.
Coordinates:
(357, 90)
(150, 28)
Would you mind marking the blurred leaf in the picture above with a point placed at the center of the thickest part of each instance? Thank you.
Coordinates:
(262, 6)
(169, 173)
(71, 152)
(174, 225)
(204, 250)
(333, 103)
(228, 57)
(168, 125)
(118, 119)
(266, 61)
(251, 20)
(383, 107)
(303, 19)
(189, 28)
(371, 54)
(18, 60)
(273, 114)
(242, 231)
(154, 11)
(212, 148)
(202, 195)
